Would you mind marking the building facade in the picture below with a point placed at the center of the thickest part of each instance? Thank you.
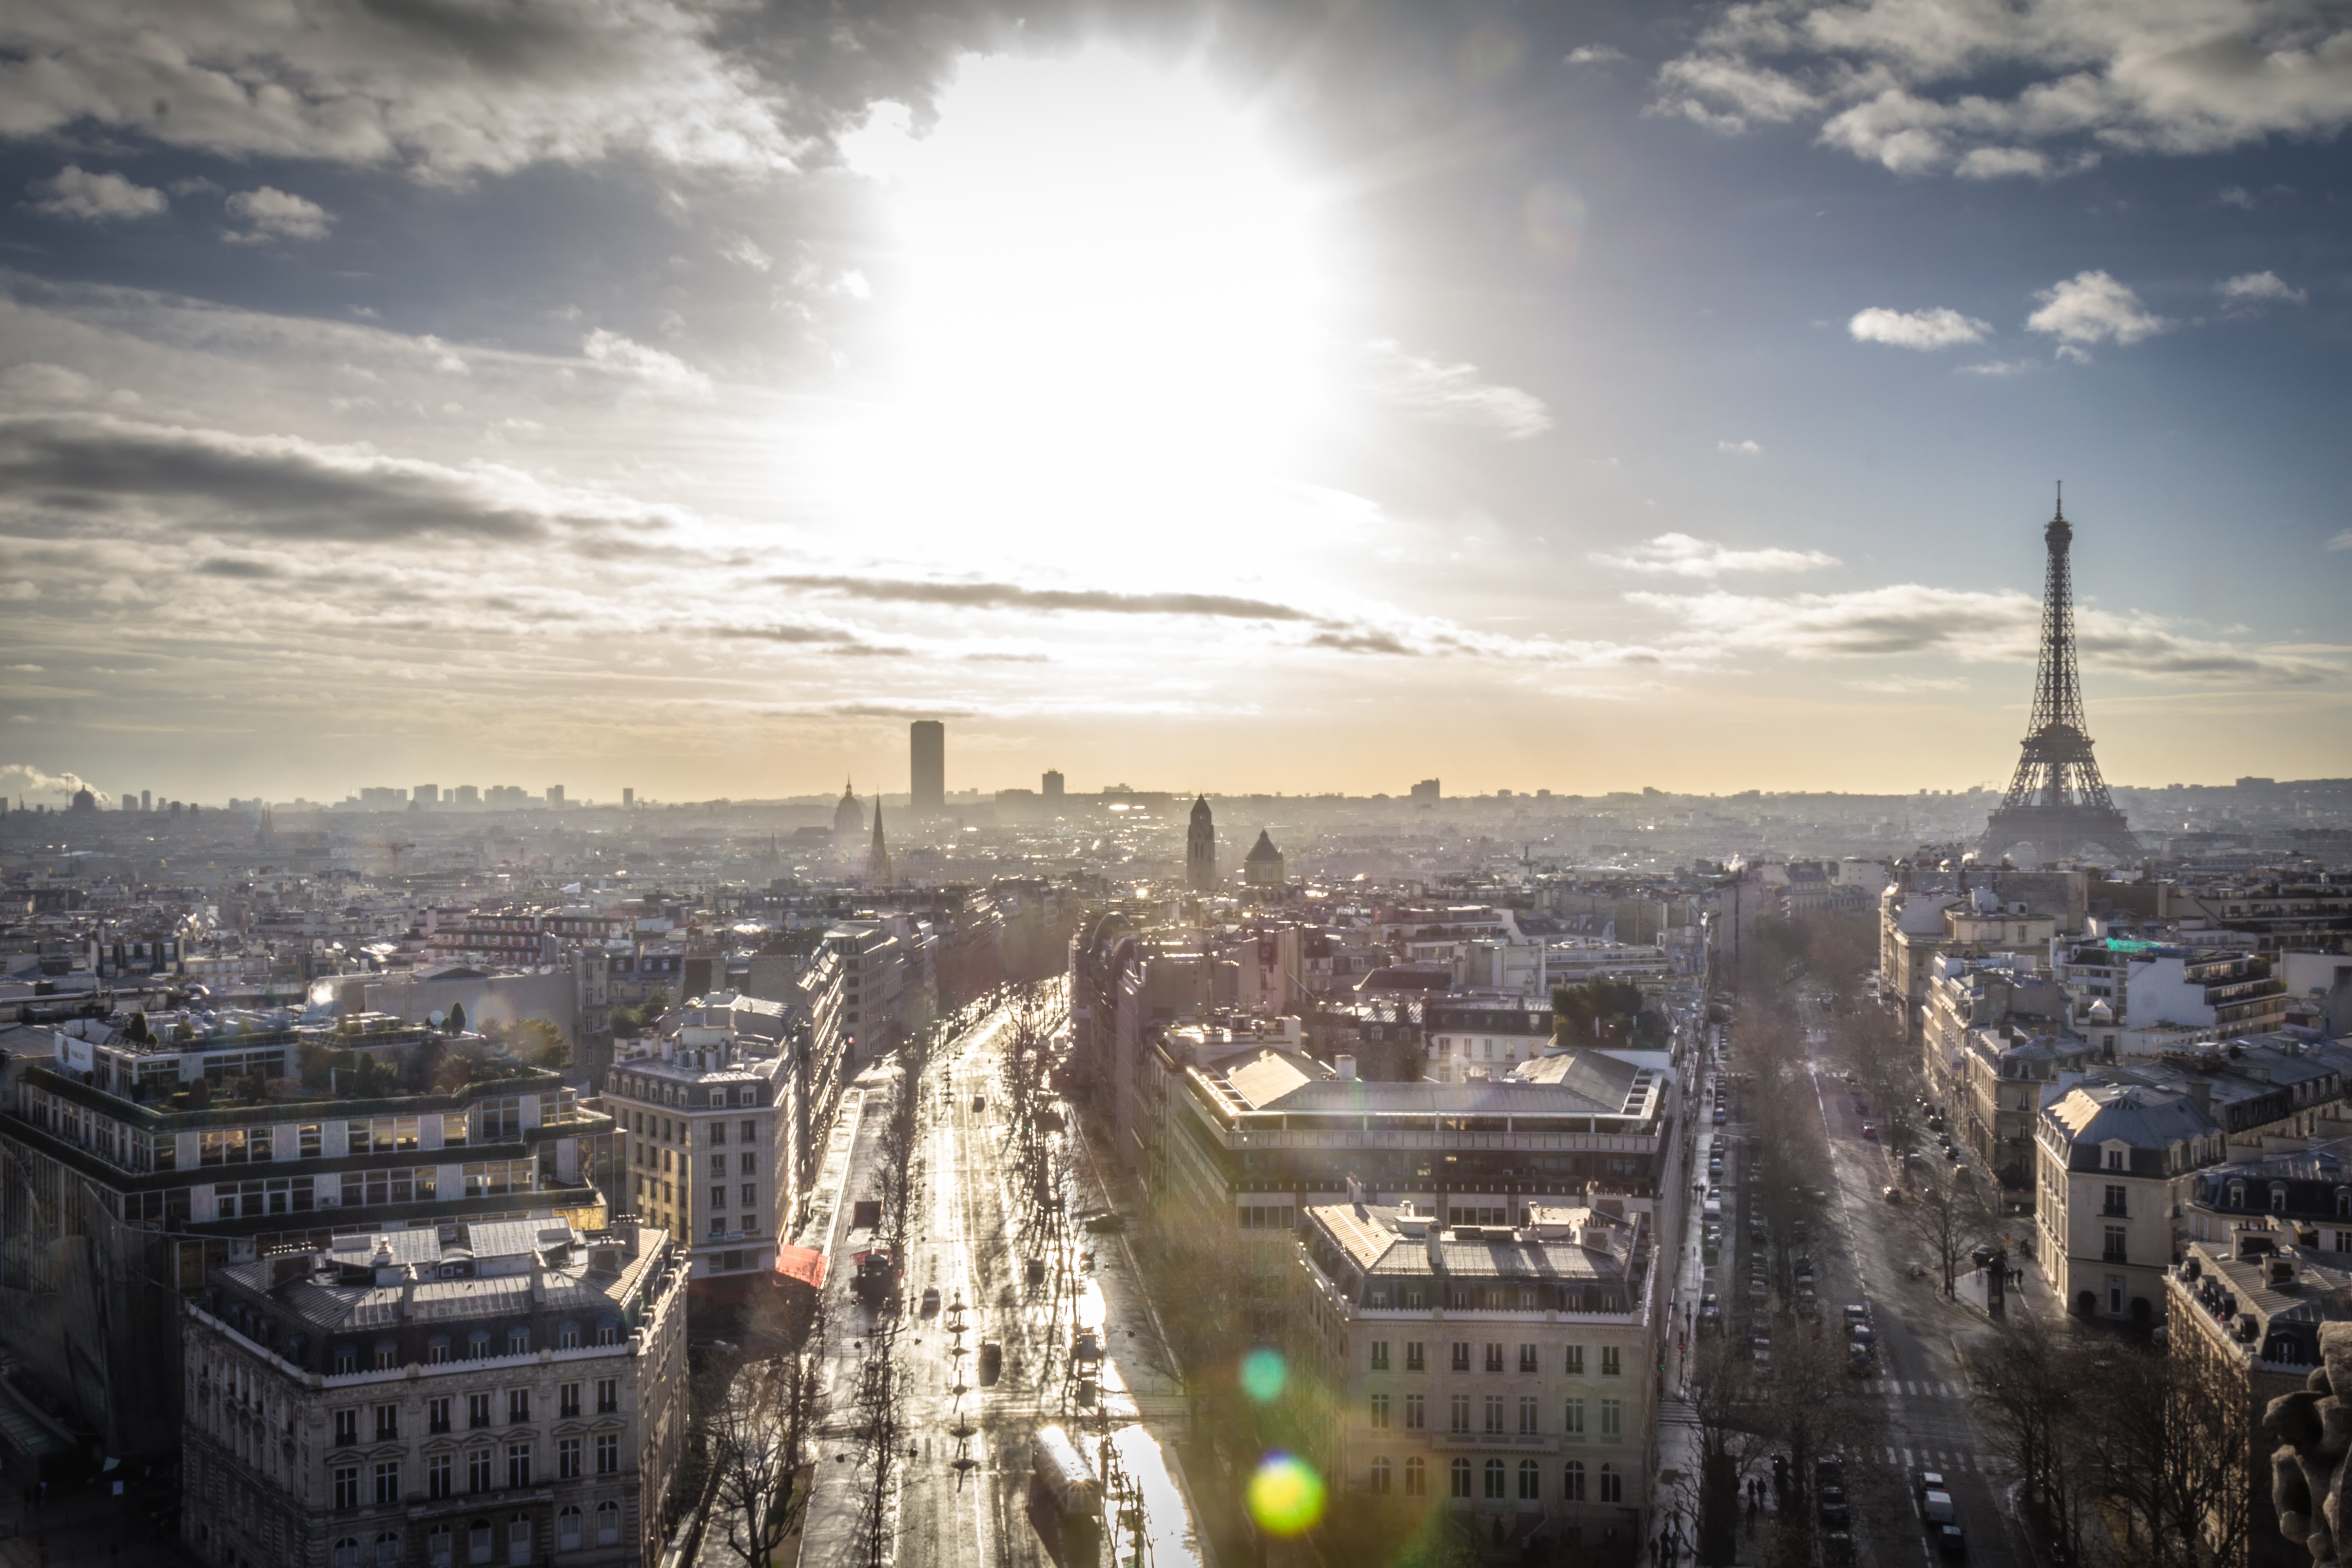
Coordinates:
(1503, 1373)
(507, 1393)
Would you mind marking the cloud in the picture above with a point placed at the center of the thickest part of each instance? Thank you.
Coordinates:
(1906, 685)
(1968, 628)
(666, 372)
(1007, 596)
(2040, 88)
(1942, 328)
(741, 251)
(1452, 395)
(72, 466)
(1680, 555)
(72, 192)
(2341, 541)
(2093, 307)
(2249, 291)
(444, 90)
(240, 568)
(1593, 54)
(1741, 448)
(2000, 368)
(1362, 643)
(276, 214)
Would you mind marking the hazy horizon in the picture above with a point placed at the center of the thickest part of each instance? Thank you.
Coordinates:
(1243, 399)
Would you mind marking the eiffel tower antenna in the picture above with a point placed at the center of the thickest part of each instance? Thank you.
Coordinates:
(2056, 799)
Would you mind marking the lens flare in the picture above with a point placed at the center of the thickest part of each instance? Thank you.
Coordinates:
(1285, 1495)
(1262, 1375)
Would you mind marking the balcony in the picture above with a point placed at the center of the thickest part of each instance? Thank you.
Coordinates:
(1521, 1442)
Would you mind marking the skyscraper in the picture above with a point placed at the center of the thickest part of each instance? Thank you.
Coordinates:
(1053, 791)
(927, 744)
(1201, 848)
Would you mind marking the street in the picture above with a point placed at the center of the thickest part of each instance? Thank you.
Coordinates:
(961, 1492)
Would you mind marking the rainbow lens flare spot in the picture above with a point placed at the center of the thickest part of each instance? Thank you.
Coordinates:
(1262, 1375)
(1285, 1495)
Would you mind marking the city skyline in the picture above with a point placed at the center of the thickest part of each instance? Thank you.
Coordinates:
(1584, 402)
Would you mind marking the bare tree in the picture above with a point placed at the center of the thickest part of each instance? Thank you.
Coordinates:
(1949, 1217)
(2029, 1387)
(758, 1425)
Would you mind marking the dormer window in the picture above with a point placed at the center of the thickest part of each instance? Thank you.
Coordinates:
(2115, 1159)
(2278, 1197)
(2237, 1194)
(2344, 1203)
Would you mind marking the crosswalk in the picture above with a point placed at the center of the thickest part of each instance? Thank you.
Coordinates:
(1914, 1388)
(1946, 1461)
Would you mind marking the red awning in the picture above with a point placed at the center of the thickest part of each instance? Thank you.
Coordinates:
(805, 1264)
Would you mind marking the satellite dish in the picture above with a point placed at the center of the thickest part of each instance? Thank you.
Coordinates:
(436, 1018)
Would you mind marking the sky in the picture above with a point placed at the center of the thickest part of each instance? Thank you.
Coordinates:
(1585, 397)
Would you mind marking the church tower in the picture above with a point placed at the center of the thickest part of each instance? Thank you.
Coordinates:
(1201, 848)
(877, 859)
(848, 816)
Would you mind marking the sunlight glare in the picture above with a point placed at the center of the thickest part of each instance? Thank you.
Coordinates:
(1109, 269)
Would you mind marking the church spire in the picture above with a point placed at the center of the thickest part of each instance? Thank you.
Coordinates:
(877, 859)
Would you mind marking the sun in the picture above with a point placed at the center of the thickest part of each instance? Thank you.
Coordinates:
(1110, 272)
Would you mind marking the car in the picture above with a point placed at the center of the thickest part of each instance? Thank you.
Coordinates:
(1953, 1153)
(1837, 1548)
(991, 1362)
(1835, 1514)
(1758, 1290)
(930, 1300)
(1859, 1359)
(1952, 1543)
(1869, 1133)
(1721, 1115)
(980, 1102)
(1857, 1313)
(1891, 1195)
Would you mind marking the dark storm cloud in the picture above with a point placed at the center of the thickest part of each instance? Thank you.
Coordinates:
(280, 485)
(1008, 596)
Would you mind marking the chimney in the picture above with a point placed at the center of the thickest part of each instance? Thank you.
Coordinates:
(1347, 1067)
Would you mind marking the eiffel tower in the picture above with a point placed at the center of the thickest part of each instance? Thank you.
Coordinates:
(2057, 800)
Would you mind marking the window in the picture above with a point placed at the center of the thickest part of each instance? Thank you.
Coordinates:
(2343, 1241)
(751, 1131)
(1380, 1412)
(387, 1422)
(1528, 1358)
(1461, 1356)
(438, 1482)
(477, 1409)
(477, 1541)
(1573, 1424)
(1416, 1478)
(718, 1197)
(1379, 1355)
(386, 1357)
(2343, 1204)
(1415, 1412)
(1611, 1366)
(2278, 1197)
(567, 1459)
(1530, 1481)
(2115, 1204)
(1495, 1480)
(347, 1487)
(1460, 1472)
(750, 1195)
(1527, 1413)
(608, 1395)
(608, 1332)
(518, 1464)
(1612, 1420)
(608, 1523)
(347, 1360)
(1576, 1361)
(1613, 1485)
(1413, 1360)
(1572, 1487)
(567, 1399)
(1460, 1414)
(719, 1165)
(436, 1349)
(568, 1337)
(1493, 1413)
(436, 1414)
(519, 1541)
(567, 1528)
(2114, 1245)
(440, 1547)
(478, 1345)
(1494, 1358)
(518, 1341)
(347, 1553)
(478, 1474)
(743, 1165)
(608, 1454)
(2115, 1163)
(347, 1427)
(1380, 1476)
(387, 1480)
(518, 1405)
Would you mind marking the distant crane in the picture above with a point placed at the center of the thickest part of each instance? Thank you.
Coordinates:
(396, 850)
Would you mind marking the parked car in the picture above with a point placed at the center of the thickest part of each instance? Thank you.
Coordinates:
(1835, 1514)
(1891, 1195)
(1937, 1504)
(1951, 1543)
(1869, 1131)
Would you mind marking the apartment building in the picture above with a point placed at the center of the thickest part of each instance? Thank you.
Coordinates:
(706, 1146)
(509, 1393)
(204, 1142)
(1506, 1373)
(2156, 992)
